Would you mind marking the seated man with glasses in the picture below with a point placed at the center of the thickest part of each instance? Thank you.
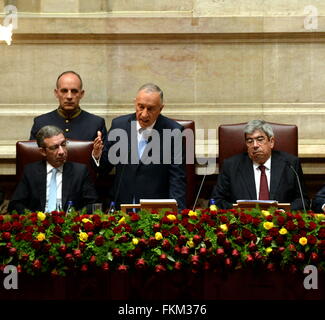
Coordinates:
(261, 173)
(50, 184)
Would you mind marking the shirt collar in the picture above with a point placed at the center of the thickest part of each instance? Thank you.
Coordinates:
(49, 168)
(267, 164)
(140, 129)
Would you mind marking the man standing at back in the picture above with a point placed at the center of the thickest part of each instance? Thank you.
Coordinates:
(76, 123)
(261, 173)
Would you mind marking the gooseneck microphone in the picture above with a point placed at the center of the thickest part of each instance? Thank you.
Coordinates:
(298, 180)
(197, 196)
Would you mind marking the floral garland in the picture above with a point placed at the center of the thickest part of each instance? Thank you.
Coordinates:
(199, 240)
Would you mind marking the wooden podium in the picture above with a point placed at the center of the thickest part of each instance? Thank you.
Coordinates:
(264, 205)
(152, 204)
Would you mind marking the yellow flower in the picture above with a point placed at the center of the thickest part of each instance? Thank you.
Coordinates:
(224, 227)
(83, 236)
(122, 220)
(40, 236)
(171, 217)
(190, 243)
(303, 241)
(265, 213)
(192, 213)
(213, 207)
(268, 225)
(85, 220)
(268, 250)
(320, 216)
(41, 216)
(135, 241)
(158, 236)
(283, 231)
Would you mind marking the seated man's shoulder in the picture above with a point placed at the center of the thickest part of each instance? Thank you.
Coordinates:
(284, 155)
(170, 123)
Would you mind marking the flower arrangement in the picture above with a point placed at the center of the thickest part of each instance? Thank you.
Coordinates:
(200, 240)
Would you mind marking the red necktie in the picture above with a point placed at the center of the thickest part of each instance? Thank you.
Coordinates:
(264, 190)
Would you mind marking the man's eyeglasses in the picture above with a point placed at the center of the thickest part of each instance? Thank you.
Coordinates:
(259, 140)
(57, 146)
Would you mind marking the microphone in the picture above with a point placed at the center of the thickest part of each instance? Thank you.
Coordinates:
(298, 180)
(197, 196)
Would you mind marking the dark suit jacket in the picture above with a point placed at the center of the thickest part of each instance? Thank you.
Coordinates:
(146, 181)
(236, 181)
(31, 190)
(83, 127)
(319, 200)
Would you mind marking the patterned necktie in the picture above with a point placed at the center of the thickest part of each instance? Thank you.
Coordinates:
(52, 192)
(141, 146)
(264, 190)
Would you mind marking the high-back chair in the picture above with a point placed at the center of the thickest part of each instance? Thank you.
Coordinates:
(190, 167)
(232, 140)
(78, 151)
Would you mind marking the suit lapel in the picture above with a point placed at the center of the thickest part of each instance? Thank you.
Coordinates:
(42, 175)
(66, 182)
(277, 167)
(246, 173)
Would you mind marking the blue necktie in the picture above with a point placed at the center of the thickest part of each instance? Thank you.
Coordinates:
(141, 146)
(52, 192)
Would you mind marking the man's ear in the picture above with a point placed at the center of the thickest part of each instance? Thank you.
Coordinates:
(82, 93)
(272, 142)
(56, 93)
(42, 151)
(161, 107)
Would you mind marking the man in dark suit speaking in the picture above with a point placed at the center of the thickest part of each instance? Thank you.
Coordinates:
(147, 166)
(48, 185)
(261, 173)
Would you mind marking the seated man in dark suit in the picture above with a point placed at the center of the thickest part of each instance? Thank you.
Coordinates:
(76, 123)
(49, 184)
(145, 174)
(319, 201)
(260, 173)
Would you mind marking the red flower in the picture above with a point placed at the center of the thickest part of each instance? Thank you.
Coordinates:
(175, 230)
(269, 218)
(89, 226)
(312, 226)
(135, 217)
(220, 252)
(185, 251)
(84, 268)
(224, 220)
(280, 220)
(159, 268)
(273, 232)
(252, 247)
(77, 253)
(68, 238)
(178, 266)
(203, 251)
(139, 233)
(92, 259)
(246, 234)
(311, 239)
(165, 244)
(99, 240)
(6, 236)
(105, 266)
(290, 226)
(37, 264)
(197, 239)
(116, 253)
(141, 264)
(267, 241)
(314, 257)
(122, 268)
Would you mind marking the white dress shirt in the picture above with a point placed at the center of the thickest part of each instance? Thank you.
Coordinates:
(58, 185)
(257, 175)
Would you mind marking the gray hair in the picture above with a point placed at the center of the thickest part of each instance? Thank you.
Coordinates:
(151, 87)
(68, 72)
(47, 132)
(254, 125)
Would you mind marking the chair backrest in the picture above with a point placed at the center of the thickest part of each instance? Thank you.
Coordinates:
(190, 167)
(232, 141)
(78, 151)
